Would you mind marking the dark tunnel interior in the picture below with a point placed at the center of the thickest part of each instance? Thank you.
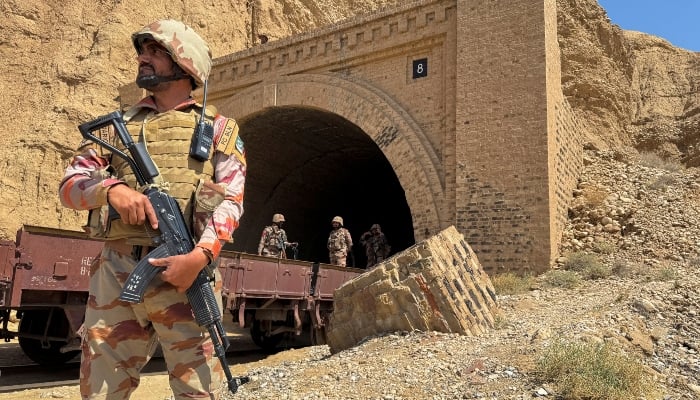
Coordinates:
(311, 165)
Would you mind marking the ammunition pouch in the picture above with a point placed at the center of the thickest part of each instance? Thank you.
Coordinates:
(104, 223)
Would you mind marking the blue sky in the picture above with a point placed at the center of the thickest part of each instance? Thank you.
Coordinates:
(677, 21)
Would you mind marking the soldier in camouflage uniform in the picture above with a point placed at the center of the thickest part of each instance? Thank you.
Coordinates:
(120, 337)
(273, 241)
(339, 243)
(376, 246)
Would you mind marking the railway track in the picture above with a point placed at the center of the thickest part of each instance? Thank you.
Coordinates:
(28, 375)
(33, 376)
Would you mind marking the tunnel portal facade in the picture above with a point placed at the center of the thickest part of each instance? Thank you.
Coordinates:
(435, 113)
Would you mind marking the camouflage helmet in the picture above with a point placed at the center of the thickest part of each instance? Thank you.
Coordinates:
(338, 220)
(185, 46)
(375, 226)
(277, 218)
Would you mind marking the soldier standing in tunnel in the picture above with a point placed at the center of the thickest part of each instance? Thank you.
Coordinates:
(339, 243)
(273, 240)
(376, 245)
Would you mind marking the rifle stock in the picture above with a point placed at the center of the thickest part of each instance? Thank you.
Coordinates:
(174, 239)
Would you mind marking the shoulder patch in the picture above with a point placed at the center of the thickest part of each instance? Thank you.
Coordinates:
(230, 142)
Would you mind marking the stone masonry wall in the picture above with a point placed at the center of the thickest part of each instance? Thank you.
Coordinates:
(508, 132)
(565, 131)
(436, 285)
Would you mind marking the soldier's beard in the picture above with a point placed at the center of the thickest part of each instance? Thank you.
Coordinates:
(152, 80)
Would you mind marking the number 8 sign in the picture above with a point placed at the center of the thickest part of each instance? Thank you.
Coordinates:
(420, 68)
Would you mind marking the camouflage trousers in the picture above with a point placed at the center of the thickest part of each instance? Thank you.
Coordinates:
(120, 338)
(338, 257)
(373, 259)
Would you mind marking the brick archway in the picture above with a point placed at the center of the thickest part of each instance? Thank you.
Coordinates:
(393, 130)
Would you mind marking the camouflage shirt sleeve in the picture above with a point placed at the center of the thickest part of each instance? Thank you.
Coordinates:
(348, 239)
(230, 170)
(263, 239)
(86, 181)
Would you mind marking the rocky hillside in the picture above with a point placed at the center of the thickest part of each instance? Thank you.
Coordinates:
(634, 89)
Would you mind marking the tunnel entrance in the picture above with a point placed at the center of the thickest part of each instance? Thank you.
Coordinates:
(311, 165)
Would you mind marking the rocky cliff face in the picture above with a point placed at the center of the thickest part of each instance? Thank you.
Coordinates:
(634, 89)
(62, 63)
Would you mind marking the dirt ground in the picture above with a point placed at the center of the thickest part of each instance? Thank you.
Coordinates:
(153, 386)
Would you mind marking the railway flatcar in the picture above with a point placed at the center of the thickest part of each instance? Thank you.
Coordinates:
(44, 281)
(276, 296)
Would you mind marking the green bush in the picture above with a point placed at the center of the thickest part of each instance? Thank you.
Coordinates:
(593, 372)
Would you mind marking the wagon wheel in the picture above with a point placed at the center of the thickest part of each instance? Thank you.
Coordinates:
(318, 336)
(34, 322)
(262, 340)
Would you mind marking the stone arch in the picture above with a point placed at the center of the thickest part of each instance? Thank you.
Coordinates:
(399, 137)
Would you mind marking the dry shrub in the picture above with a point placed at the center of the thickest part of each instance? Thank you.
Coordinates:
(587, 265)
(653, 160)
(499, 321)
(510, 283)
(594, 196)
(562, 279)
(604, 247)
(662, 182)
(596, 271)
(625, 269)
(666, 274)
(694, 262)
(593, 371)
(579, 261)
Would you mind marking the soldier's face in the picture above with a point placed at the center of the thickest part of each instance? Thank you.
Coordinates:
(154, 60)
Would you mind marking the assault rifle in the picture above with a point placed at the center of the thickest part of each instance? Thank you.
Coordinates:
(174, 239)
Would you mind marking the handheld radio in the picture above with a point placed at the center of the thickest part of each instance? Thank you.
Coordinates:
(203, 136)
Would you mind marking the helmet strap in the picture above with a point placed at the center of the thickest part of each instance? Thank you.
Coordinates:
(150, 81)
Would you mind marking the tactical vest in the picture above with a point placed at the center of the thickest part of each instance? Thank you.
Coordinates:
(336, 240)
(276, 238)
(167, 137)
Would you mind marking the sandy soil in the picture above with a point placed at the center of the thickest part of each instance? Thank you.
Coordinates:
(154, 386)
